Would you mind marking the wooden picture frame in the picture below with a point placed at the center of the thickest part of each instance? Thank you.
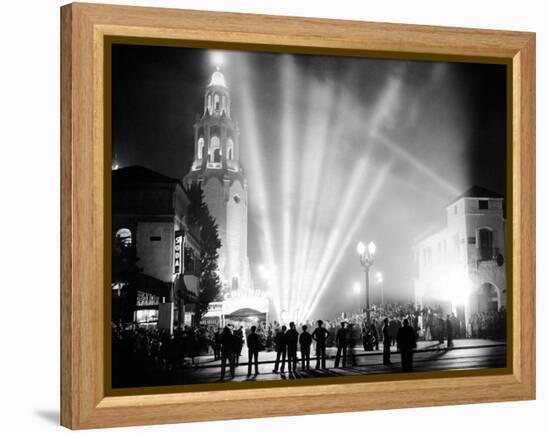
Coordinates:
(84, 28)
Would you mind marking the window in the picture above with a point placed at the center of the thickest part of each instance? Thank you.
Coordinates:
(456, 244)
(216, 102)
(229, 149)
(485, 244)
(155, 238)
(146, 316)
(427, 253)
(200, 148)
(483, 204)
(124, 237)
(191, 261)
(237, 198)
(215, 149)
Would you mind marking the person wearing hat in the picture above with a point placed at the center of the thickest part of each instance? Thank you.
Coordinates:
(406, 343)
(386, 342)
(341, 341)
(292, 347)
(320, 337)
(253, 344)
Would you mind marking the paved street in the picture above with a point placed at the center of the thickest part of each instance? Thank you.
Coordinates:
(430, 356)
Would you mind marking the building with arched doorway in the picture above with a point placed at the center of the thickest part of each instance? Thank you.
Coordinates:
(462, 266)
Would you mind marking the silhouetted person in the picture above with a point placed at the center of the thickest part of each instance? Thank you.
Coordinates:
(341, 343)
(374, 335)
(351, 336)
(239, 340)
(320, 336)
(406, 343)
(253, 343)
(394, 329)
(217, 344)
(440, 330)
(280, 345)
(449, 329)
(365, 336)
(291, 338)
(386, 342)
(228, 351)
(305, 347)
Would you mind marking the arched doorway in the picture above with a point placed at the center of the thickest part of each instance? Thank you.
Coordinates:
(485, 299)
(246, 317)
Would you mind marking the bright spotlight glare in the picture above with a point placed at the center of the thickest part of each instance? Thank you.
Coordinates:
(217, 59)
(356, 288)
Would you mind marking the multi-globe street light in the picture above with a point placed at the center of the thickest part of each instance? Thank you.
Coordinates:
(366, 258)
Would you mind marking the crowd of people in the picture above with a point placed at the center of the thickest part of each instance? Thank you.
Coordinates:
(390, 325)
(288, 340)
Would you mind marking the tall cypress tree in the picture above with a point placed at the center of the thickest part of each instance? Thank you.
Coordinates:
(209, 281)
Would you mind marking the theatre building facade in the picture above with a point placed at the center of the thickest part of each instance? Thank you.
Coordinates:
(155, 254)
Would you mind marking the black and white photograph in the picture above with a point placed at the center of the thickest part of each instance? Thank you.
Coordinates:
(286, 217)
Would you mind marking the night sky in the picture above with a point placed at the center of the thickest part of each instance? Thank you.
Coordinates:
(436, 128)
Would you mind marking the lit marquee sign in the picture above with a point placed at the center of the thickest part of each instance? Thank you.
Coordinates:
(178, 253)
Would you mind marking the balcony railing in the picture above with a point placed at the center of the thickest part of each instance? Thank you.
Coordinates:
(488, 254)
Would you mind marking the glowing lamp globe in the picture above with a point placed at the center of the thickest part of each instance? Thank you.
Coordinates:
(372, 248)
(361, 248)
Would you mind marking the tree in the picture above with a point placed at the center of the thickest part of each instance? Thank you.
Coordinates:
(209, 280)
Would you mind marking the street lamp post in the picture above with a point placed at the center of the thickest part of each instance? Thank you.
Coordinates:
(366, 258)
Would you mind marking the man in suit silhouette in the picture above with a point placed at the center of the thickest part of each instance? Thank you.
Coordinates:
(320, 336)
(253, 343)
(305, 347)
(291, 338)
(228, 352)
(386, 342)
(406, 343)
(341, 342)
(280, 344)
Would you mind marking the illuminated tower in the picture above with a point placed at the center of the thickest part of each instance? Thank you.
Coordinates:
(217, 168)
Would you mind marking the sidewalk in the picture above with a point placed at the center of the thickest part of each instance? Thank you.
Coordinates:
(269, 356)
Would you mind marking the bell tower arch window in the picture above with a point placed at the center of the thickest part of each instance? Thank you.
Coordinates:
(209, 103)
(214, 151)
(230, 149)
(200, 148)
(216, 102)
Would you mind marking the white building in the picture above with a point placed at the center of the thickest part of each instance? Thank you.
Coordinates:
(462, 266)
(217, 168)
